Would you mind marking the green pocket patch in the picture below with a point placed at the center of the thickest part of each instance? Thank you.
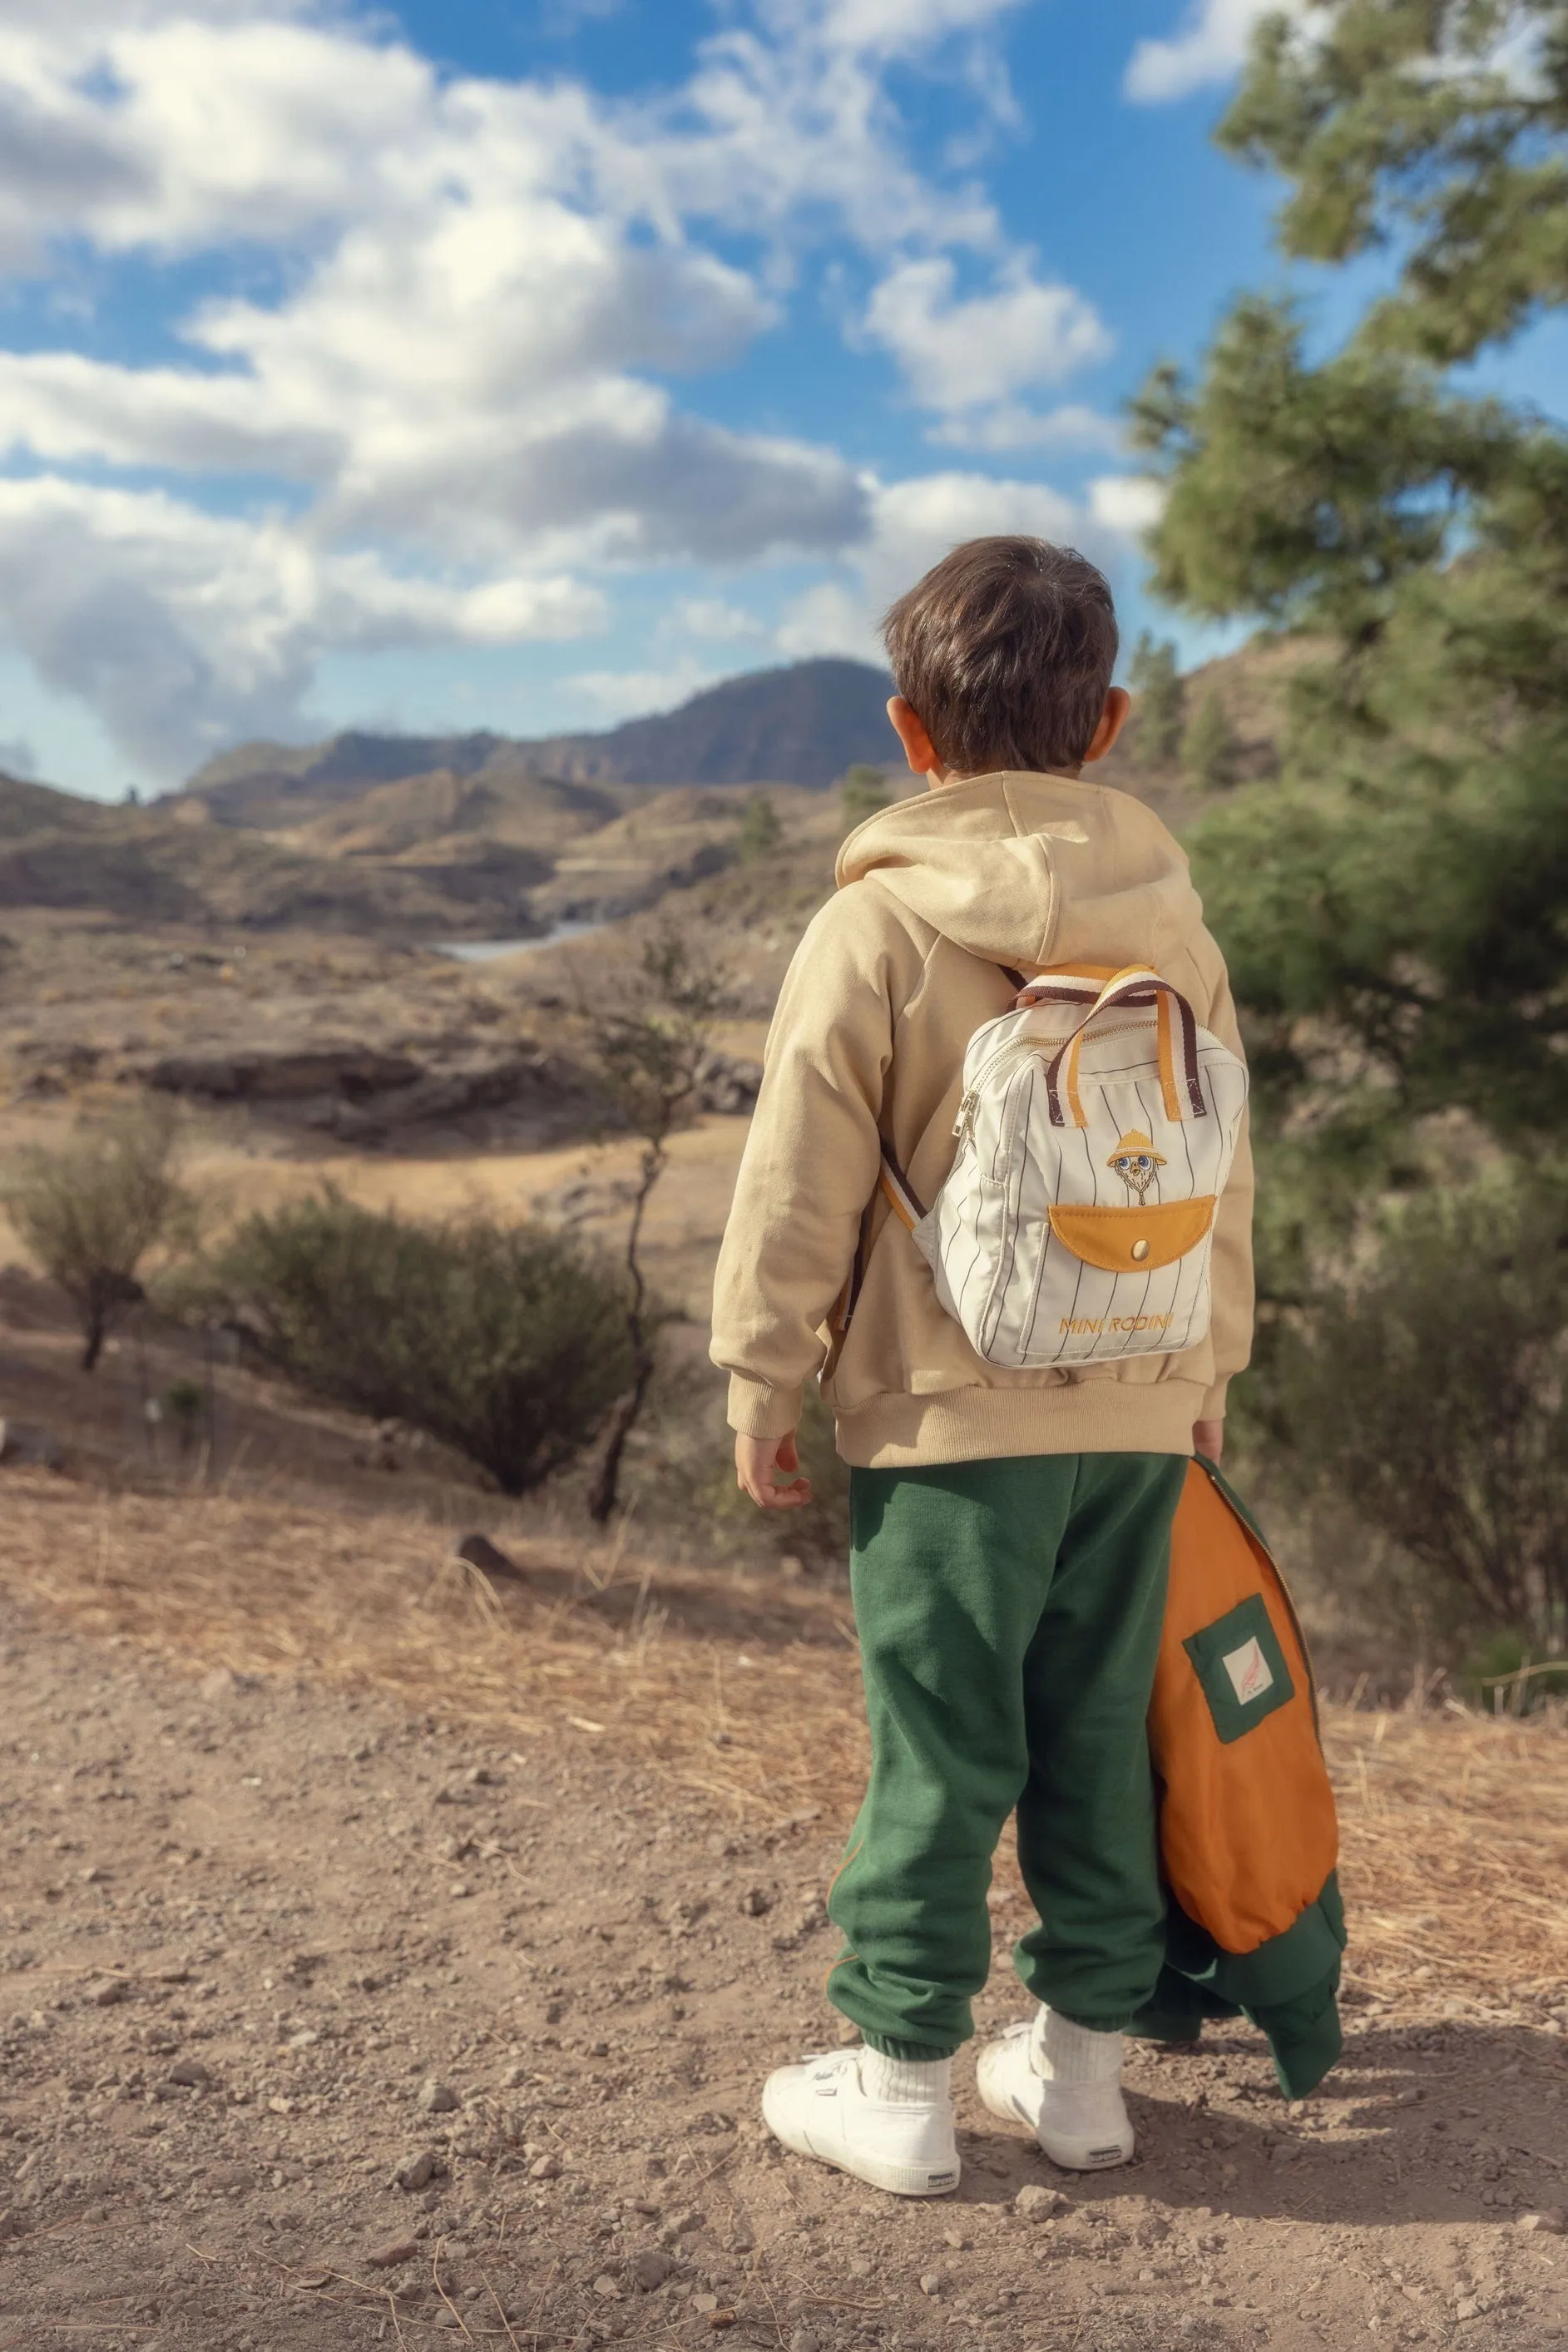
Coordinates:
(1242, 1668)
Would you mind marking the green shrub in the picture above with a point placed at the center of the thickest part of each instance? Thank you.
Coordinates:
(501, 1341)
(865, 792)
(760, 832)
(92, 1211)
(1425, 1388)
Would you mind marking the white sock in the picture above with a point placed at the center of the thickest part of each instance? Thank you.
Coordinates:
(906, 2080)
(1065, 2052)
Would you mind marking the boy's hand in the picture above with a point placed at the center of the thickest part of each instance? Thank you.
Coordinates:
(756, 1459)
(1208, 1437)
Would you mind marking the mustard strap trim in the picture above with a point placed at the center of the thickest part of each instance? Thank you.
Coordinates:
(1136, 1240)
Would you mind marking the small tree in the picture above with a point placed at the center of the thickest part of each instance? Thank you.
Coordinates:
(1210, 748)
(864, 793)
(1158, 683)
(650, 1045)
(92, 1211)
(760, 831)
(501, 1341)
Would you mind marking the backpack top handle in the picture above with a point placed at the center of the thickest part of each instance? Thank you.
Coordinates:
(1181, 1083)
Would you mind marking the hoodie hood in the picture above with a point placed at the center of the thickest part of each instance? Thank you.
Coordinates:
(1031, 870)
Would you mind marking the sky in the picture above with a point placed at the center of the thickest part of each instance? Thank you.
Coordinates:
(524, 364)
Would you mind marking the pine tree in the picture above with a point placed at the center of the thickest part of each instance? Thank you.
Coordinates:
(1210, 747)
(1161, 699)
(1404, 886)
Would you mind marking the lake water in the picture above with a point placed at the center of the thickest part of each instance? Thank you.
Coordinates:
(487, 950)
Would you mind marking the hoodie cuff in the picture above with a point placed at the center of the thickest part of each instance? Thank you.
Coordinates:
(757, 1410)
(1214, 1403)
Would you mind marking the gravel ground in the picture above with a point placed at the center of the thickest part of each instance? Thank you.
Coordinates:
(328, 2028)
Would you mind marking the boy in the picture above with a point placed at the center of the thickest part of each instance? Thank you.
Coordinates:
(1009, 1530)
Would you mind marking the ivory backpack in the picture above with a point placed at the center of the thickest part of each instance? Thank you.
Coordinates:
(1077, 1223)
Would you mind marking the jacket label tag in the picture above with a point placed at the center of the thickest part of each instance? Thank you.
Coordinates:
(1250, 1671)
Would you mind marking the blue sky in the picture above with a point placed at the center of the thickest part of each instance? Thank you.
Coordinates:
(526, 364)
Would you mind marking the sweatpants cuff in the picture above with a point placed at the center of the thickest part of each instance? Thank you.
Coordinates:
(1120, 2023)
(913, 2053)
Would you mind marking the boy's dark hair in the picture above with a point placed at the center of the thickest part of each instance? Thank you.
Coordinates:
(1005, 650)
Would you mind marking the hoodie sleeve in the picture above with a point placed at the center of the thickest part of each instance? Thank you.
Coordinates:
(811, 1164)
(1231, 1320)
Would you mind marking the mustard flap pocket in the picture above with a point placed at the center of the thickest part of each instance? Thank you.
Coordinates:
(1133, 1241)
(1241, 1666)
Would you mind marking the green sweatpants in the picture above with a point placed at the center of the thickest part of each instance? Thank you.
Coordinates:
(1009, 1616)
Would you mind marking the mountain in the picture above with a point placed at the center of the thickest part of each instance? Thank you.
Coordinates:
(801, 725)
(68, 855)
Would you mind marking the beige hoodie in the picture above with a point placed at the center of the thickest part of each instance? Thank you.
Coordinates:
(896, 973)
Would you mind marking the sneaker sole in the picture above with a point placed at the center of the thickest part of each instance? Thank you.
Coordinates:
(898, 2180)
(1069, 2155)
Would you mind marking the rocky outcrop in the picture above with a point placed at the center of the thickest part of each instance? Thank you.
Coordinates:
(359, 1094)
(287, 1074)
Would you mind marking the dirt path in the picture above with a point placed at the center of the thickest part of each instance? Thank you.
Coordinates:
(270, 1945)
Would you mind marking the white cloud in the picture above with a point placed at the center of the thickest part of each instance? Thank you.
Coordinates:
(628, 694)
(1012, 424)
(1126, 503)
(915, 522)
(453, 397)
(1209, 46)
(186, 630)
(962, 352)
(711, 617)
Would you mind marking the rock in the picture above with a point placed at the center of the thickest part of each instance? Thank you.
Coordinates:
(437, 2098)
(1036, 2204)
(704, 2302)
(387, 2258)
(756, 1902)
(191, 2074)
(727, 1083)
(479, 1552)
(350, 1072)
(1549, 2217)
(417, 2171)
(930, 2283)
(24, 1444)
(219, 1684)
(605, 2285)
(231, 2176)
(116, 1989)
(545, 2168)
(804, 2341)
(650, 2269)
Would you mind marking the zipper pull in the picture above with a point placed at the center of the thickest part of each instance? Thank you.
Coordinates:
(963, 1126)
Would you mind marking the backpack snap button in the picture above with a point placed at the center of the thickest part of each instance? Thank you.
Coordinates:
(1140, 1252)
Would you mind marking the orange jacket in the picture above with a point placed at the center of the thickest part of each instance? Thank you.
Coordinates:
(1247, 1830)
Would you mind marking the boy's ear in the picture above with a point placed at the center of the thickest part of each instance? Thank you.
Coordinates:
(910, 730)
(1113, 718)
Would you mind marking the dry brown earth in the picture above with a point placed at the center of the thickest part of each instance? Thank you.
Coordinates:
(301, 1821)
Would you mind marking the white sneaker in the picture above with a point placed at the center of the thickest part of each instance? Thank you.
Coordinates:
(1064, 2084)
(824, 2108)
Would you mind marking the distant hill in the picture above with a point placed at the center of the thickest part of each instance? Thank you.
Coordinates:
(802, 725)
(66, 855)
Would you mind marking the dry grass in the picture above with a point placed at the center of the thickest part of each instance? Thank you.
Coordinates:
(1456, 1827)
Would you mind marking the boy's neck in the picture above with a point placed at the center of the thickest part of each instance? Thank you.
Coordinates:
(935, 777)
